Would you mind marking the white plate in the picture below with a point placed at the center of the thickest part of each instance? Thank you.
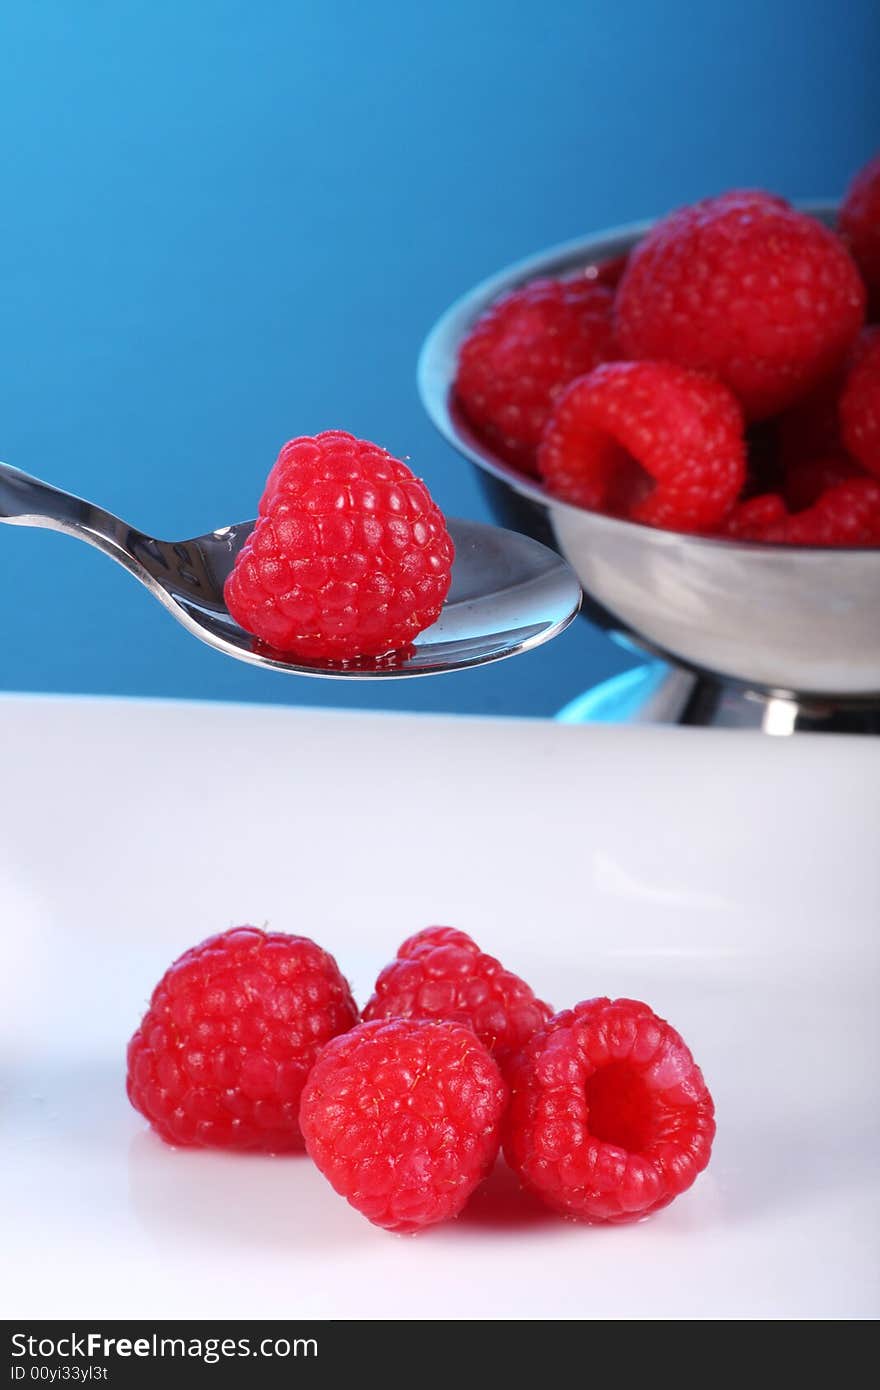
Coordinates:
(730, 880)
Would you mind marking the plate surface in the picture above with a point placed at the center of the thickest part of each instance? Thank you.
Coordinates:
(729, 879)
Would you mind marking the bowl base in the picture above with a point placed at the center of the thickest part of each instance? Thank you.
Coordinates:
(660, 694)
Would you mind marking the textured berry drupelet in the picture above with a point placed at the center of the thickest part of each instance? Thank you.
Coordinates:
(846, 513)
(523, 351)
(859, 225)
(349, 557)
(231, 1033)
(745, 286)
(442, 973)
(648, 441)
(860, 404)
(609, 1118)
(403, 1118)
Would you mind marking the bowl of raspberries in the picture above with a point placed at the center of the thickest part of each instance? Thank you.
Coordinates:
(689, 409)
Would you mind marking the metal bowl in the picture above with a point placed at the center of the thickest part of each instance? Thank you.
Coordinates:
(797, 623)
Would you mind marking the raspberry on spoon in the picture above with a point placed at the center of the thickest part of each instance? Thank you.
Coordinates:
(350, 556)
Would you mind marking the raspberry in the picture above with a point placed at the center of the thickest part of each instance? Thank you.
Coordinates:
(609, 1117)
(442, 973)
(860, 404)
(233, 1027)
(349, 557)
(847, 513)
(403, 1118)
(744, 286)
(649, 441)
(859, 225)
(523, 351)
(750, 520)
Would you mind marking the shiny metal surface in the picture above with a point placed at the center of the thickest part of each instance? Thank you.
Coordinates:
(660, 694)
(508, 592)
(794, 621)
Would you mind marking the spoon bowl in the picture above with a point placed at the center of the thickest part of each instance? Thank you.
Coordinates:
(509, 593)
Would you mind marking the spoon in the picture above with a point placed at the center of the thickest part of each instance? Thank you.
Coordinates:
(509, 593)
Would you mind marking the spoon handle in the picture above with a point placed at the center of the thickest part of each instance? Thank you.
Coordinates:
(27, 501)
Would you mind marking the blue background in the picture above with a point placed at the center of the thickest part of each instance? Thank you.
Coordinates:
(227, 223)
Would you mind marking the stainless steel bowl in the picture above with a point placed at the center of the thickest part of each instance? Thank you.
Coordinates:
(799, 624)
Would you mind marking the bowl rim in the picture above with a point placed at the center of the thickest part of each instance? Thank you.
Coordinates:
(439, 353)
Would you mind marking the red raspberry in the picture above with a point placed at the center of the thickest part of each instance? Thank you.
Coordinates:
(750, 520)
(846, 514)
(442, 973)
(233, 1027)
(403, 1118)
(859, 225)
(523, 351)
(649, 441)
(744, 286)
(609, 1117)
(349, 557)
(860, 404)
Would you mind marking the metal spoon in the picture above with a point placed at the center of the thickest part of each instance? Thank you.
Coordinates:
(509, 593)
